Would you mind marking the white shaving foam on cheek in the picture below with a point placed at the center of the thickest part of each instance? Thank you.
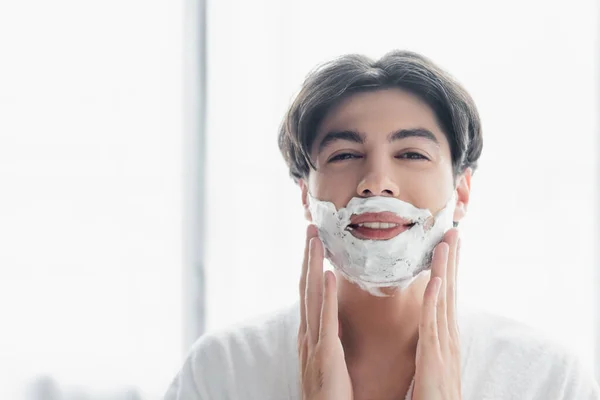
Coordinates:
(374, 264)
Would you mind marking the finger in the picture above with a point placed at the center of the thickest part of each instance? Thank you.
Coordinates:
(311, 232)
(329, 312)
(452, 238)
(303, 350)
(458, 244)
(439, 270)
(314, 289)
(455, 331)
(428, 327)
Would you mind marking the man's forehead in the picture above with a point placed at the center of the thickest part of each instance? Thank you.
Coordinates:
(379, 113)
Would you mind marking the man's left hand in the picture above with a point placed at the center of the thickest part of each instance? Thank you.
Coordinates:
(437, 374)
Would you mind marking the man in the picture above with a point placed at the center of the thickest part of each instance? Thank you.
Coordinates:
(402, 130)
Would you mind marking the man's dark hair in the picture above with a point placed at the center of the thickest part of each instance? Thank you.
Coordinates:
(333, 81)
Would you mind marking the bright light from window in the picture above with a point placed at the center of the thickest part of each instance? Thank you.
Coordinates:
(90, 204)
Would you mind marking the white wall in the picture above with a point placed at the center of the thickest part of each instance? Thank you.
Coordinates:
(90, 194)
(532, 69)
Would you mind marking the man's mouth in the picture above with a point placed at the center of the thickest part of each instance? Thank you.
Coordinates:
(378, 226)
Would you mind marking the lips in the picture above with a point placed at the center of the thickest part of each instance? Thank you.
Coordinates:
(378, 226)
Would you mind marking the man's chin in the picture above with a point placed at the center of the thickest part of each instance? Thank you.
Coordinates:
(390, 291)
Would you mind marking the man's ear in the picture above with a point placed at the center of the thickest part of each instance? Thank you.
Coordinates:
(304, 188)
(463, 191)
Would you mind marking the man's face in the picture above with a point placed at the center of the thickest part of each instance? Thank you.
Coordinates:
(384, 143)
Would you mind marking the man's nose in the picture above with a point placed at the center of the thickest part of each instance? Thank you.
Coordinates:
(377, 182)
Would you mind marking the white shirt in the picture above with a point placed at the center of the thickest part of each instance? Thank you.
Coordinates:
(501, 360)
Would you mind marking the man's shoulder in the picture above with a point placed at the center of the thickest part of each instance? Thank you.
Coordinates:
(500, 335)
(516, 359)
(255, 359)
(259, 334)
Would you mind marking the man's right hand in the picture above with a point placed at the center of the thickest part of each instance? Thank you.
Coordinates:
(322, 363)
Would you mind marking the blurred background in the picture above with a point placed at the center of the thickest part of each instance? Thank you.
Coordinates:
(143, 199)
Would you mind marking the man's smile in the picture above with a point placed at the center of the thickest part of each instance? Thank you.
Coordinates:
(378, 226)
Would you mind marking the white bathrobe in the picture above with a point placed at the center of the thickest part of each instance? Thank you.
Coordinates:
(501, 360)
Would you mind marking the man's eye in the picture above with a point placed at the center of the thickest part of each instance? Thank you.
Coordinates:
(344, 156)
(411, 155)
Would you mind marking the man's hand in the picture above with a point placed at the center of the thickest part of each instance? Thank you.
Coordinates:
(322, 364)
(437, 375)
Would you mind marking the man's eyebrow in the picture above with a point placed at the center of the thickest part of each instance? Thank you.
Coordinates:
(417, 132)
(334, 136)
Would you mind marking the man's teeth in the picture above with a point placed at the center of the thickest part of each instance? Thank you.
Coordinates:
(377, 225)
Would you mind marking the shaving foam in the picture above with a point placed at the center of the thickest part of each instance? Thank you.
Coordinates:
(375, 264)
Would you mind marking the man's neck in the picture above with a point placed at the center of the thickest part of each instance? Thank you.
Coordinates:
(378, 326)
